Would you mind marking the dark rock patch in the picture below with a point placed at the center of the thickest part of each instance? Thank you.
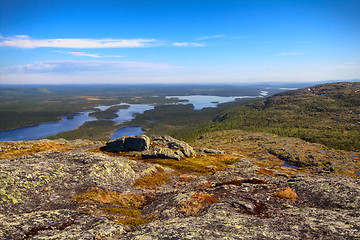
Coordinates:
(164, 147)
(129, 143)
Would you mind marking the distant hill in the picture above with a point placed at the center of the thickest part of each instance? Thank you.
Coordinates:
(327, 113)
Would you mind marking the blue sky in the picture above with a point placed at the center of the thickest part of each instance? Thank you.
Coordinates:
(178, 41)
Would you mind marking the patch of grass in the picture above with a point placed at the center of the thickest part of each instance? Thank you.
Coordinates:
(287, 193)
(15, 150)
(122, 211)
(196, 204)
(260, 148)
(266, 172)
(99, 196)
(155, 179)
(203, 165)
(124, 208)
(132, 221)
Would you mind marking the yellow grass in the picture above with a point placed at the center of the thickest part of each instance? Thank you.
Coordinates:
(17, 151)
(287, 193)
(99, 196)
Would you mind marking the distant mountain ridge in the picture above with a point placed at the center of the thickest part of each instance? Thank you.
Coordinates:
(326, 113)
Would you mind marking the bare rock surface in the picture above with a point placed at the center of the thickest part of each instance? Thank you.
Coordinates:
(129, 143)
(164, 147)
(218, 196)
(328, 192)
(58, 224)
(45, 181)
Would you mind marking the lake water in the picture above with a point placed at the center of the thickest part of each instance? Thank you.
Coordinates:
(47, 129)
(203, 101)
(127, 131)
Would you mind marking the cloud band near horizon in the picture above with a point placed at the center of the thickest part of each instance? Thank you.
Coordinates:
(23, 41)
(71, 66)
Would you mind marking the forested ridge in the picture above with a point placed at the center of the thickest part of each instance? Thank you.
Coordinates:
(327, 113)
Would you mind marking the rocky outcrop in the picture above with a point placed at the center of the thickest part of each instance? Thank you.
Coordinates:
(59, 224)
(45, 181)
(174, 144)
(223, 221)
(327, 192)
(247, 211)
(164, 147)
(129, 143)
(164, 153)
(209, 150)
(77, 194)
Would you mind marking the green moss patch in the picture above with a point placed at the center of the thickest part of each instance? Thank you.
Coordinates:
(156, 178)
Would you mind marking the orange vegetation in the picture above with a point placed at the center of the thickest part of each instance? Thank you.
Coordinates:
(287, 193)
(17, 150)
(196, 204)
(155, 179)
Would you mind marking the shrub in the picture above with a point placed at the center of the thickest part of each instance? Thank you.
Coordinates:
(122, 211)
(153, 180)
(99, 196)
(196, 204)
(287, 193)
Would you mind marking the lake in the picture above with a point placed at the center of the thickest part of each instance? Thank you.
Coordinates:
(47, 129)
(127, 131)
(203, 101)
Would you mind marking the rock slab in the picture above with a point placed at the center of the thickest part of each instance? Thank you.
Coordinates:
(129, 143)
(164, 147)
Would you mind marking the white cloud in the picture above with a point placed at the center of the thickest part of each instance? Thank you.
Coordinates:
(180, 44)
(115, 56)
(348, 66)
(188, 44)
(208, 37)
(82, 54)
(23, 41)
(282, 54)
(85, 54)
(87, 66)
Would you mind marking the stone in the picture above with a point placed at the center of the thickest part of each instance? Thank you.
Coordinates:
(175, 144)
(137, 143)
(208, 150)
(59, 224)
(115, 146)
(327, 191)
(128, 143)
(163, 153)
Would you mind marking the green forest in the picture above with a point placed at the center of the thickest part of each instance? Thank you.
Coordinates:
(327, 114)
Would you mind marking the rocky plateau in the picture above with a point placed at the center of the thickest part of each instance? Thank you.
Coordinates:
(226, 185)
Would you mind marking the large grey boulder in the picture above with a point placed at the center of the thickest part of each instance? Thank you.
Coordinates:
(129, 143)
(164, 147)
(164, 153)
(172, 143)
(137, 143)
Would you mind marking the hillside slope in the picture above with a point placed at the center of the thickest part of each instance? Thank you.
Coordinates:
(254, 186)
(327, 114)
